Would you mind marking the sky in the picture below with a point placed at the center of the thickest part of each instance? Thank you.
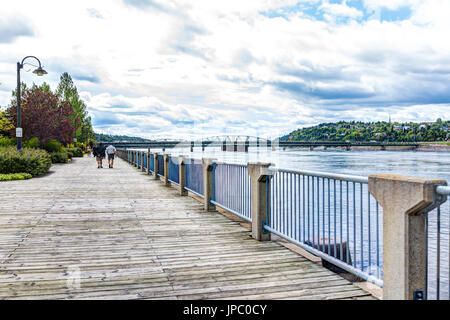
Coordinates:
(192, 69)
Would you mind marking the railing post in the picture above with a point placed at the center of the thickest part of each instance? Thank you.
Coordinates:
(155, 165)
(260, 180)
(207, 183)
(405, 201)
(166, 169)
(182, 175)
(148, 161)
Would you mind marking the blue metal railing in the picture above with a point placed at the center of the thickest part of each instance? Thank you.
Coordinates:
(160, 165)
(152, 163)
(145, 160)
(438, 248)
(174, 170)
(332, 216)
(194, 176)
(232, 189)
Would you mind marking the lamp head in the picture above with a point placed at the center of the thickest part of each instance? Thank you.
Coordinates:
(39, 71)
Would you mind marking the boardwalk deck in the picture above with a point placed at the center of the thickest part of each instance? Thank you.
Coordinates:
(127, 236)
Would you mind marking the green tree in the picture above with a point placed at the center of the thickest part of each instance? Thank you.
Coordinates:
(67, 91)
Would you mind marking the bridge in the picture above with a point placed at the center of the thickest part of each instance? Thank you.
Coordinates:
(242, 143)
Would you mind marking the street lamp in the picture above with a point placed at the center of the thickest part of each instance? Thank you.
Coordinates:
(40, 72)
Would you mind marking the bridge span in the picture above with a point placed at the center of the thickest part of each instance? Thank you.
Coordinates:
(243, 143)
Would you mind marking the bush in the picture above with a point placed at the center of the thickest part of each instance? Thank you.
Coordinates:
(33, 161)
(6, 142)
(15, 176)
(76, 152)
(32, 143)
(53, 146)
(59, 157)
(69, 154)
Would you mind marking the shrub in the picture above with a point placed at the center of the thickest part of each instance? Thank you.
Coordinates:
(15, 176)
(32, 143)
(53, 146)
(33, 161)
(5, 142)
(76, 152)
(59, 157)
(69, 154)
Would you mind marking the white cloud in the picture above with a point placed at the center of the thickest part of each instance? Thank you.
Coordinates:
(191, 68)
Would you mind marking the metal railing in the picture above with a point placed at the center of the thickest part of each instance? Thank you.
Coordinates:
(152, 163)
(332, 216)
(232, 189)
(160, 160)
(144, 155)
(174, 170)
(438, 248)
(194, 176)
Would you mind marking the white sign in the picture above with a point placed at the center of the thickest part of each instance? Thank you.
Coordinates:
(19, 133)
(74, 139)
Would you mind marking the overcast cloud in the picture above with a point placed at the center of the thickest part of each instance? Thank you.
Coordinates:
(179, 68)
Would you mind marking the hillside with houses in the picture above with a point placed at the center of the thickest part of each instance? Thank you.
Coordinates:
(383, 131)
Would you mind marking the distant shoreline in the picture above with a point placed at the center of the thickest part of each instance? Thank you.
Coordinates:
(423, 147)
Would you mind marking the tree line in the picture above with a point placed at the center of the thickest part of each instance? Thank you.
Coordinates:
(382, 131)
(60, 115)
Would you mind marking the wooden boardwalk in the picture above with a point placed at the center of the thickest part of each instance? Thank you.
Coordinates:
(87, 233)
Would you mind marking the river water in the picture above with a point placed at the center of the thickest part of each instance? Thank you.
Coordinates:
(363, 163)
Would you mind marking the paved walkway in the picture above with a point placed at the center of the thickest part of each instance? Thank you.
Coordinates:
(87, 233)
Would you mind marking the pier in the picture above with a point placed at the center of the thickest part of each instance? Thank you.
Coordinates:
(87, 233)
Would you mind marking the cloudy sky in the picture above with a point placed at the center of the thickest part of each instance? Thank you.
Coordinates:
(192, 68)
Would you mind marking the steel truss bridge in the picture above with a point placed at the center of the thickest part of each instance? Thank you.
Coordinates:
(242, 143)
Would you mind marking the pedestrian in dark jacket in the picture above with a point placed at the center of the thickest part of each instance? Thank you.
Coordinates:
(99, 153)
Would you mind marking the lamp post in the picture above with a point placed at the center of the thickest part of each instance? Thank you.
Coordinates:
(40, 72)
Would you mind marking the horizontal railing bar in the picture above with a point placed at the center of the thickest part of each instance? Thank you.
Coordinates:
(330, 259)
(344, 177)
(231, 210)
(174, 182)
(194, 192)
(444, 190)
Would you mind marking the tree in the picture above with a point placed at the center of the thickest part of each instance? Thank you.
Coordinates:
(44, 115)
(67, 91)
(5, 123)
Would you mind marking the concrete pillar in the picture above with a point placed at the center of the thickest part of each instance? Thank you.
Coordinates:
(166, 169)
(182, 175)
(148, 160)
(207, 164)
(155, 163)
(405, 201)
(259, 177)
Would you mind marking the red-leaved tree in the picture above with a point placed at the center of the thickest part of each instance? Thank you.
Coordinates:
(44, 115)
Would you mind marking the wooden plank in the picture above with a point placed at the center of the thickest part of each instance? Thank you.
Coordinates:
(133, 238)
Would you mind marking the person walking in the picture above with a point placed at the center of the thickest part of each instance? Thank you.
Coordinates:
(99, 153)
(111, 152)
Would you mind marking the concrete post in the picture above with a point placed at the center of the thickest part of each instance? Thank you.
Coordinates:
(405, 201)
(155, 165)
(166, 169)
(259, 177)
(182, 175)
(207, 183)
